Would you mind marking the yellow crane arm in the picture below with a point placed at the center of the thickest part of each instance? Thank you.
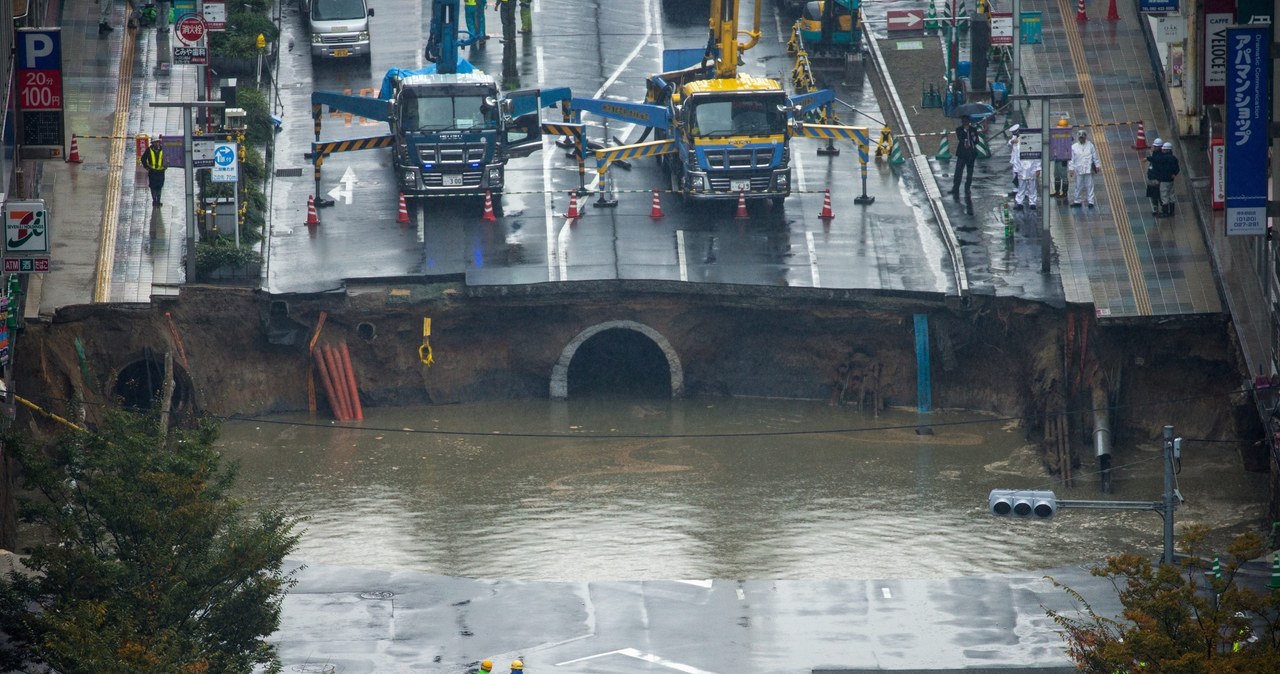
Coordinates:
(724, 35)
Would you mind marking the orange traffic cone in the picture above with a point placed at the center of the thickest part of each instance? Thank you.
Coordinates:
(656, 211)
(74, 157)
(826, 213)
(573, 213)
(403, 216)
(1080, 15)
(312, 218)
(488, 207)
(1141, 142)
(742, 207)
(1112, 14)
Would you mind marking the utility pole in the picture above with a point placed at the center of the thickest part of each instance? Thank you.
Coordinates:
(187, 108)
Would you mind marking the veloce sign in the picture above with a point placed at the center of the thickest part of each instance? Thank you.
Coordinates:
(1247, 87)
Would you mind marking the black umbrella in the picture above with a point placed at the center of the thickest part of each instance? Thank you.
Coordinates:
(971, 110)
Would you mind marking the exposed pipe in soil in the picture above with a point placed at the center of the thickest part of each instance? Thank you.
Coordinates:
(1102, 436)
(351, 382)
(335, 373)
(326, 379)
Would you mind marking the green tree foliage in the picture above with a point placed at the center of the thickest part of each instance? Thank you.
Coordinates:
(147, 565)
(1172, 622)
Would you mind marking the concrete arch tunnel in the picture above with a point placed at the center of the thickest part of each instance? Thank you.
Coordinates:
(140, 381)
(623, 357)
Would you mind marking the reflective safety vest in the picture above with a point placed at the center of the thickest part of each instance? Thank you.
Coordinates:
(470, 3)
(153, 160)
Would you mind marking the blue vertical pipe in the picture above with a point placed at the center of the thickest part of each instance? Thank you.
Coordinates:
(924, 389)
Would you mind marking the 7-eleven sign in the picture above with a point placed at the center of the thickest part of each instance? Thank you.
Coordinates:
(26, 227)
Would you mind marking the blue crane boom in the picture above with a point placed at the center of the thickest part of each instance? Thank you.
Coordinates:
(443, 44)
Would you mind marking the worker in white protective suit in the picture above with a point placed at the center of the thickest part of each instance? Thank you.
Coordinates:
(1084, 165)
(1026, 170)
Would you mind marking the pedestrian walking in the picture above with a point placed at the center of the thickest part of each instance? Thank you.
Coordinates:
(153, 162)
(507, 10)
(526, 17)
(1153, 184)
(1084, 165)
(104, 15)
(517, 667)
(1028, 174)
(966, 154)
(475, 21)
(1167, 168)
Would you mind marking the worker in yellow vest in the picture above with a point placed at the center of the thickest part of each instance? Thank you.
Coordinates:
(153, 162)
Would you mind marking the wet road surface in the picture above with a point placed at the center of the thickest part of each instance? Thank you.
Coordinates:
(891, 244)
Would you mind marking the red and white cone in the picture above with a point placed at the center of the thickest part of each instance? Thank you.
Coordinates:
(573, 213)
(826, 213)
(742, 207)
(656, 211)
(74, 157)
(1080, 15)
(403, 216)
(488, 207)
(1140, 143)
(312, 218)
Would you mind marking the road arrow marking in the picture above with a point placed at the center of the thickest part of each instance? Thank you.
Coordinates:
(346, 190)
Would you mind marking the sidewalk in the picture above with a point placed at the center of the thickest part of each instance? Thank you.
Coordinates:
(109, 244)
(1118, 258)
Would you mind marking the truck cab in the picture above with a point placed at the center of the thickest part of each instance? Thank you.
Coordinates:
(731, 138)
(338, 28)
(454, 133)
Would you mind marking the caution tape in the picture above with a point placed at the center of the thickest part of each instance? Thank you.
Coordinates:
(456, 195)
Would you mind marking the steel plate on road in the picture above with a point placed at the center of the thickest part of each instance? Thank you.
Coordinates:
(910, 45)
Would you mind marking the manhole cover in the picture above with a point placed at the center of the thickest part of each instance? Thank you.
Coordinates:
(381, 594)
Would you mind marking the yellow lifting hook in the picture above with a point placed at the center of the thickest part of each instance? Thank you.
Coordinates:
(424, 351)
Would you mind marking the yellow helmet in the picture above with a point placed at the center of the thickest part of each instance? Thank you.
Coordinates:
(1062, 122)
(517, 665)
(486, 666)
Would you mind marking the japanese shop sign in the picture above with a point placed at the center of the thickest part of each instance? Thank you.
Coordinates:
(1248, 83)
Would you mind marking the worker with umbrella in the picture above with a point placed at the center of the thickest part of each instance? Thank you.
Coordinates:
(967, 143)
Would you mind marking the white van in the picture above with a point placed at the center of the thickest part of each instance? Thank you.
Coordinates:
(339, 28)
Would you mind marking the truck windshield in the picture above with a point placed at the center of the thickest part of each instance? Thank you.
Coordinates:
(448, 113)
(337, 10)
(739, 116)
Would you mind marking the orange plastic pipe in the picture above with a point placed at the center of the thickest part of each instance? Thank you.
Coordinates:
(328, 386)
(335, 371)
(351, 382)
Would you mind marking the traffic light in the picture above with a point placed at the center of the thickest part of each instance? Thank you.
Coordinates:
(1022, 503)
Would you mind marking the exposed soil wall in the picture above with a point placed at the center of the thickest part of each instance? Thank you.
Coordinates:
(242, 352)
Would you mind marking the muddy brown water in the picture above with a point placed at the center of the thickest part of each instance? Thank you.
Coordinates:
(698, 489)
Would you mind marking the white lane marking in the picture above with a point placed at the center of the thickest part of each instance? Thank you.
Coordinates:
(797, 159)
(777, 24)
(887, 594)
(647, 657)
(548, 211)
(680, 258)
(699, 583)
(537, 60)
(562, 249)
(635, 51)
(813, 259)
(742, 596)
